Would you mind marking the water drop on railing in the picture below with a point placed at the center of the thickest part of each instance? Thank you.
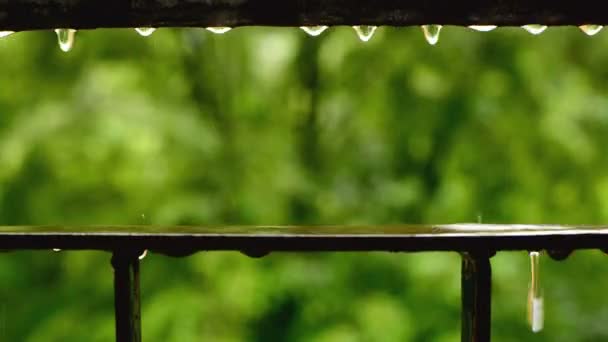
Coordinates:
(535, 28)
(143, 255)
(56, 250)
(431, 33)
(5, 33)
(591, 30)
(314, 30)
(535, 298)
(219, 29)
(65, 37)
(145, 31)
(483, 28)
(365, 32)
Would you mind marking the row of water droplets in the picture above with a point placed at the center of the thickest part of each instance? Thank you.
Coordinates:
(66, 37)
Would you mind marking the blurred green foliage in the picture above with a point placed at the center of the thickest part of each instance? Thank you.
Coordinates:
(270, 126)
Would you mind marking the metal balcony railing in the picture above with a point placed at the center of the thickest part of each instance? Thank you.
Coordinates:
(18, 15)
(477, 243)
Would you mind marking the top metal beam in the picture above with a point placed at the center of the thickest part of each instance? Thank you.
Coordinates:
(258, 241)
(18, 15)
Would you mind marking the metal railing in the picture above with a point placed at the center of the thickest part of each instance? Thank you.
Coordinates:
(18, 15)
(477, 243)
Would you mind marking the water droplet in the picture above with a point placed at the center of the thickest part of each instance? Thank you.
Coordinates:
(591, 30)
(143, 255)
(483, 28)
(65, 37)
(314, 30)
(56, 250)
(145, 31)
(535, 28)
(431, 33)
(365, 32)
(535, 297)
(5, 33)
(219, 29)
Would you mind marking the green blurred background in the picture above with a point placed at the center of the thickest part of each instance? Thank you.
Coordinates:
(271, 126)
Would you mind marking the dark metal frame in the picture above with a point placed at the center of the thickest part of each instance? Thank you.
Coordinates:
(477, 244)
(19, 15)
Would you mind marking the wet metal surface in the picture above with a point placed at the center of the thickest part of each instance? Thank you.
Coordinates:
(259, 240)
(17, 15)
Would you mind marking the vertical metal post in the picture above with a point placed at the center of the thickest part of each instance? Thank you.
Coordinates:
(476, 297)
(126, 296)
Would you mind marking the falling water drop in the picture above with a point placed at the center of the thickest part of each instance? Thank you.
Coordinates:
(365, 32)
(314, 30)
(483, 28)
(591, 30)
(145, 31)
(5, 33)
(431, 33)
(219, 29)
(65, 37)
(143, 255)
(535, 28)
(535, 298)
(56, 249)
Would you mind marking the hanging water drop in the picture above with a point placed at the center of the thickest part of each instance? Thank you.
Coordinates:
(143, 255)
(365, 32)
(483, 28)
(431, 33)
(314, 30)
(65, 37)
(145, 31)
(56, 250)
(591, 30)
(535, 297)
(535, 28)
(219, 29)
(5, 33)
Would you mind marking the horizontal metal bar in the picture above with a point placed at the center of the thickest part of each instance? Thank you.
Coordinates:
(19, 15)
(259, 240)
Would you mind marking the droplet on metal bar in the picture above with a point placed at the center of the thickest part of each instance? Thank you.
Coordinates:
(143, 255)
(431, 33)
(591, 30)
(56, 250)
(145, 31)
(65, 37)
(483, 28)
(365, 32)
(219, 29)
(314, 30)
(535, 298)
(5, 33)
(535, 28)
